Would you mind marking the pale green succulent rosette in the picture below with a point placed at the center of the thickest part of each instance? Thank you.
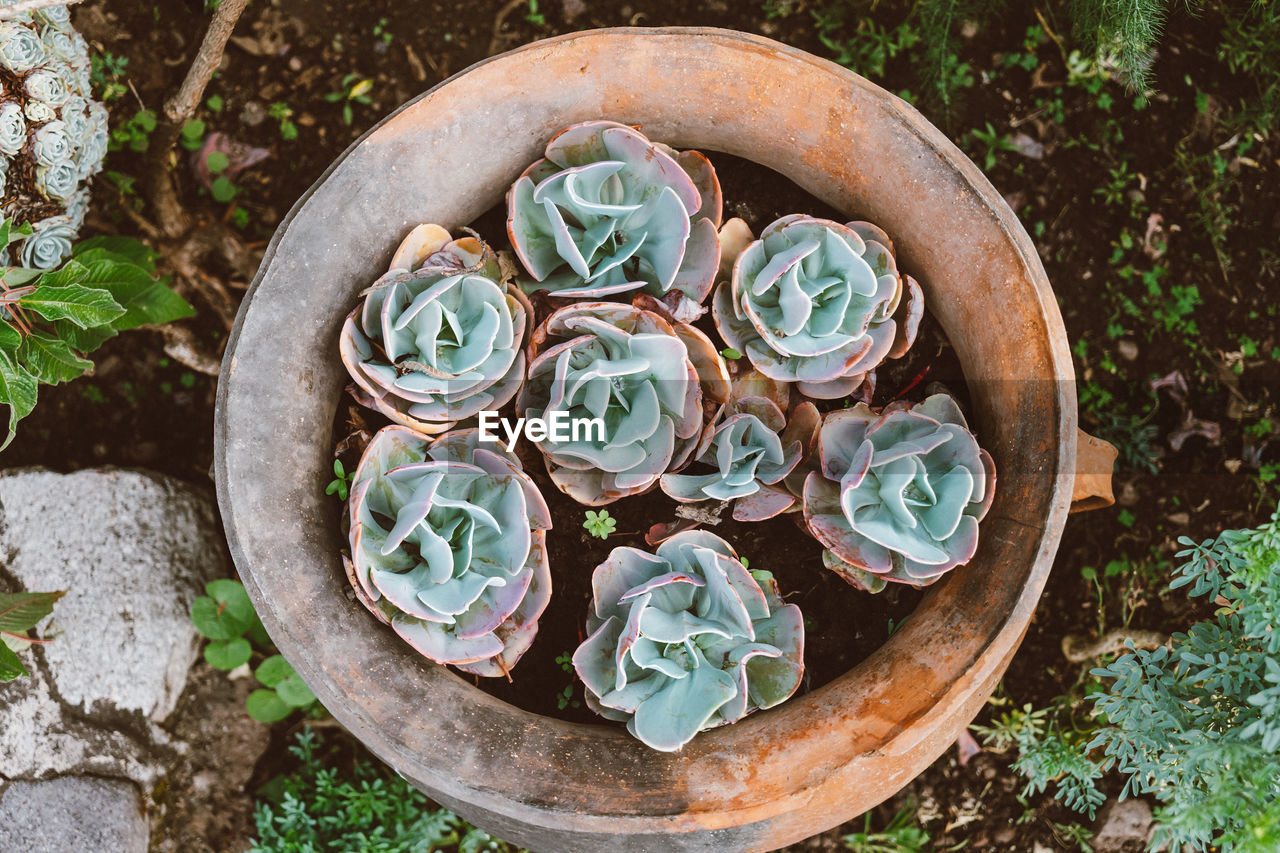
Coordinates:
(448, 547)
(818, 303)
(751, 452)
(686, 639)
(655, 384)
(52, 138)
(608, 212)
(434, 346)
(898, 494)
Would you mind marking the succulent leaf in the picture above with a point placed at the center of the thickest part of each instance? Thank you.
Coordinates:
(685, 639)
(899, 493)
(653, 384)
(53, 137)
(607, 211)
(439, 337)
(818, 303)
(751, 451)
(448, 547)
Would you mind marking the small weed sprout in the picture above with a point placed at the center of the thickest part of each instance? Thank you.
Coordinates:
(340, 482)
(600, 524)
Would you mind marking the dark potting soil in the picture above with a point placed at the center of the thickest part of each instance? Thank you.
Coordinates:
(843, 625)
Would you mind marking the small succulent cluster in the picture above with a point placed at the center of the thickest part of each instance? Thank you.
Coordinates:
(448, 547)
(686, 639)
(898, 494)
(655, 383)
(439, 337)
(618, 247)
(53, 136)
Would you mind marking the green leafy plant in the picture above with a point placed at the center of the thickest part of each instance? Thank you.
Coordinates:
(600, 524)
(353, 89)
(225, 617)
(106, 75)
(19, 613)
(283, 114)
(50, 320)
(340, 482)
(1048, 754)
(534, 16)
(1194, 724)
(900, 836)
(366, 807)
(988, 142)
(134, 134)
(382, 32)
(192, 134)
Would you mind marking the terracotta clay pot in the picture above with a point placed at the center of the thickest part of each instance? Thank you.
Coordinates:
(780, 775)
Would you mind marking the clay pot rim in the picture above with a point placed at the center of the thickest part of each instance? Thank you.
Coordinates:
(984, 661)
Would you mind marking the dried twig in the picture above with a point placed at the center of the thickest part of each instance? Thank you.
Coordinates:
(168, 211)
(23, 6)
(181, 345)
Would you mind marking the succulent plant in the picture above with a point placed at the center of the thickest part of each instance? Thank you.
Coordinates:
(439, 337)
(53, 137)
(686, 639)
(607, 211)
(448, 547)
(899, 493)
(751, 451)
(655, 384)
(818, 303)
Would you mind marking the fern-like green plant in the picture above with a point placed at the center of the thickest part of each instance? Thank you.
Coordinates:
(1194, 724)
(319, 807)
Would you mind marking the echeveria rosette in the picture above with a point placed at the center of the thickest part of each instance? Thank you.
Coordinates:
(448, 547)
(53, 138)
(818, 303)
(899, 493)
(607, 211)
(656, 384)
(686, 639)
(751, 452)
(439, 337)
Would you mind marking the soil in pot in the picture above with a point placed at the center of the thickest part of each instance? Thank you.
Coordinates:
(843, 625)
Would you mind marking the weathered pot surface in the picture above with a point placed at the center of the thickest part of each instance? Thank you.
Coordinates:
(777, 776)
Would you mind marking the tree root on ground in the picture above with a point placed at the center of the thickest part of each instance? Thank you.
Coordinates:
(1078, 649)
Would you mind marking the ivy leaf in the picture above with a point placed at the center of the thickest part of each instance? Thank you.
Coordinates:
(10, 665)
(222, 189)
(266, 706)
(17, 389)
(225, 613)
(84, 306)
(274, 670)
(295, 693)
(227, 654)
(19, 612)
(50, 359)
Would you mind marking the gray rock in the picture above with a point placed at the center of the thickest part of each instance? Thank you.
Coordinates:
(73, 813)
(133, 550)
(1120, 822)
(38, 737)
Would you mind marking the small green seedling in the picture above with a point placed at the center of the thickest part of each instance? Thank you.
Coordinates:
(601, 524)
(340, 481)
(355, 89)
(731, 353)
